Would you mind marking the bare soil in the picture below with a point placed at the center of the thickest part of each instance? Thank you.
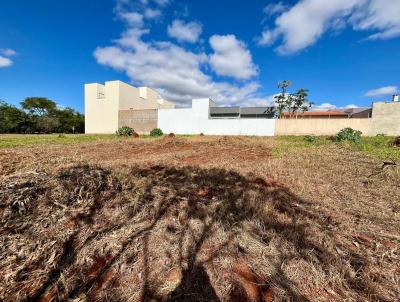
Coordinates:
(197, 219)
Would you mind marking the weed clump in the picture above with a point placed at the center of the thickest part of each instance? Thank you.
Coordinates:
(125, 131)
(311, 139)
(349, 135)
(156, 132)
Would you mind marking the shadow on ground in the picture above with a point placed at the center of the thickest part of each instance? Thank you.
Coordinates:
(169, 234)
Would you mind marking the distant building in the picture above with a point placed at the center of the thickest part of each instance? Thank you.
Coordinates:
(331, 114)
(116, 104)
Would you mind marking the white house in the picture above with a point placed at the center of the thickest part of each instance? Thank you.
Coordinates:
(109, 106)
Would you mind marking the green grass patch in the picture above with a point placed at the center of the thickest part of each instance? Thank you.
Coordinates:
(378, 146)
(291, 143)
(19, 140)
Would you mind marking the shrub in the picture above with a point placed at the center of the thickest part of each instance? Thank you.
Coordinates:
(396, 142)
(125, 131)
(311, 139)
(156, 132)
(348, 134)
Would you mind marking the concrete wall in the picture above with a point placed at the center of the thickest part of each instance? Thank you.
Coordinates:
(321, 126)
(142, 121)
(101, 108)
(196, 120)
(386, 118)
(103, 103)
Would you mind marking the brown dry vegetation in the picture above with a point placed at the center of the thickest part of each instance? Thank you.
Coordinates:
(197, 219)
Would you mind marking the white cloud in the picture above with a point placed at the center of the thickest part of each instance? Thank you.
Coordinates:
(177, 73)
(267, 38)
(188, 32)
(382, 91)
(5, 62)
(231, 57)
(134, 19)
(152, 13)
(162, 2)
(305, 22)
(329, 106)
(274, 8)
(174, 71)
(350, 106)
(323, 107)
(7, 52)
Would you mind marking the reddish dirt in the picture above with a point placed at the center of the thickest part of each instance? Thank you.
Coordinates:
(254, 286)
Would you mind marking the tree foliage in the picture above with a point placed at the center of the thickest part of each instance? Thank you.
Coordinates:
(38, 105)
(291, 102)
(39, 115)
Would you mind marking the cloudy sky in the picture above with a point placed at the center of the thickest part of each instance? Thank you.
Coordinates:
(346, 52)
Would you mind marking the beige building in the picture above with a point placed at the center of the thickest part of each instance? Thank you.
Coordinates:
(116, 104)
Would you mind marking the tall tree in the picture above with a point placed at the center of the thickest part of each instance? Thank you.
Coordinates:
(38, 105)
(293, 103)
(281, 99)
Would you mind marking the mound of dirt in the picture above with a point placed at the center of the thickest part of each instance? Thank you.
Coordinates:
(170, 234)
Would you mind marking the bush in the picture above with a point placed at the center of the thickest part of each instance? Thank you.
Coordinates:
(156, 132)
(348, 134)
(125, 131)
(310, 139)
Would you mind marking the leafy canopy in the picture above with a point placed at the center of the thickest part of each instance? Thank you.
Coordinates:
(38, 105)
(291, 102)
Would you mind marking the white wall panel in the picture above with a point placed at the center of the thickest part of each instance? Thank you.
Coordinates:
(196, 120)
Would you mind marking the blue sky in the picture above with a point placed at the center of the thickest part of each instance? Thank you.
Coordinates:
(346, 52)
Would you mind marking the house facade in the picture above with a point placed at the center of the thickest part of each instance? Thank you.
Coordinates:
(116, 104)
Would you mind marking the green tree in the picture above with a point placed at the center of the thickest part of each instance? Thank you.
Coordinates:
(281, 98)
(13, 120)
(69, 121)
(38, 105)
(293, 103)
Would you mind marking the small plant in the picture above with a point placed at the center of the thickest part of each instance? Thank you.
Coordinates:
(61, 135)
(311, 139)
(348, 134)
(125, 131)
(396, 142)
(156, 132)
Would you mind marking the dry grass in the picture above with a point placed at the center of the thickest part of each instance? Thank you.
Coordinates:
(197, 219)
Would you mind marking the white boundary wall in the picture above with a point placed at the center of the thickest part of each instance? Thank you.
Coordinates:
(196, 120)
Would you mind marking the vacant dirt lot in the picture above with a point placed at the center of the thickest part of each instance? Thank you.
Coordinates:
(198, 219)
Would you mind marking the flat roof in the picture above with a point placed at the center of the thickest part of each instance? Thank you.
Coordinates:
(242, 111)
